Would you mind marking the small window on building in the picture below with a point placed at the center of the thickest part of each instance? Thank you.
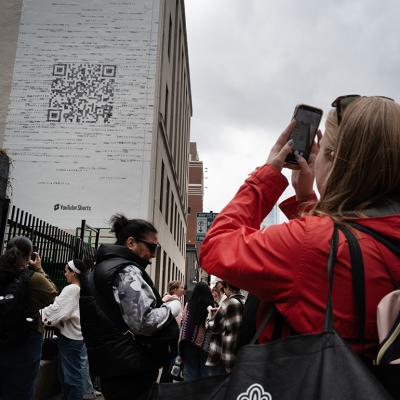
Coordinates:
(169, 37)
(162, 186)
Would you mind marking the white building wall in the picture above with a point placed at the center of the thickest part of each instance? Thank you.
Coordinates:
(80, 120)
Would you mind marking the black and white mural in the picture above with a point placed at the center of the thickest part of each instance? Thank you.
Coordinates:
(80, 120)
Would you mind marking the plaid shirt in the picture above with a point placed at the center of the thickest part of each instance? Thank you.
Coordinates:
(224, 328)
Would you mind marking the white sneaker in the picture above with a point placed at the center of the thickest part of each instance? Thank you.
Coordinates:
(92, 395)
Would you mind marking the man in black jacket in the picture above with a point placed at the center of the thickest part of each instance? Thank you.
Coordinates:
(126, 327)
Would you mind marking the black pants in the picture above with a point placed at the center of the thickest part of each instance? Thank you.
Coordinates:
(166, 376)
(128, 387)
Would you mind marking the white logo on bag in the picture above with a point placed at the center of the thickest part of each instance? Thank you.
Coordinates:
(255, 392)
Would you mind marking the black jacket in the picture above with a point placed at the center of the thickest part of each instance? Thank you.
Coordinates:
(112, 349)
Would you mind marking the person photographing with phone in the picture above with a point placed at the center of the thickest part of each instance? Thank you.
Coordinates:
(355, 165)
(24, 290)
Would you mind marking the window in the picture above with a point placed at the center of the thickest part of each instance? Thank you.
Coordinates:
(172, 212)
(164, 268)
(189, 208)
(166, 107)
(179, 232)
(157, 276)
(175, 221)
(162, 187)
(167, 205)
(169, 37)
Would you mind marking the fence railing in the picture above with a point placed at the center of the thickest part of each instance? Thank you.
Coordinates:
(54, 245)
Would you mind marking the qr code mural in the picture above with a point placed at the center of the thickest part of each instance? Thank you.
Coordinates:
(82, 93)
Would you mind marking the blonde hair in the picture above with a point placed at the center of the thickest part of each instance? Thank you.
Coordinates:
(366, 158)
(174, 285)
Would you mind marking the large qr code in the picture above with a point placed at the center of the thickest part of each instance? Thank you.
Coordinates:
(82, 93)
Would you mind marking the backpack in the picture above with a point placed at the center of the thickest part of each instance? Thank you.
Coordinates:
(15, 323)
(388, 309)
(388, 319)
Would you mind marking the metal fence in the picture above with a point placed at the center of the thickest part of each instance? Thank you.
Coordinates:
(54, 245)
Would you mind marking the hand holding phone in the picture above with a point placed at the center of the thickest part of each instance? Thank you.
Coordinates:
(307, 119)
(36, 262)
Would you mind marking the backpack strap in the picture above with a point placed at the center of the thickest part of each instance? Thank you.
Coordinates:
(358, 278)
(238, 298)
(392, 245)
(357, 264)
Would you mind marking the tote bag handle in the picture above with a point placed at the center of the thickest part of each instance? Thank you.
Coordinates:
(328, 322)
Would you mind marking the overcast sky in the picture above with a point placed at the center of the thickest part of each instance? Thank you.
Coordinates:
(252, 61)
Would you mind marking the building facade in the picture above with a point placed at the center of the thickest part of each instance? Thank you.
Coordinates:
(195, 192)
(195, 205)
(98, 116)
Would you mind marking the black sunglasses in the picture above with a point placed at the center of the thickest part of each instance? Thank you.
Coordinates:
(341, 102)
(152, 246)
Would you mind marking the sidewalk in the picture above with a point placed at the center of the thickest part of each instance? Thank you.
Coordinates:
(58, 397)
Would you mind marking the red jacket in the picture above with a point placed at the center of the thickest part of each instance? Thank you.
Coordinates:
(286, 264)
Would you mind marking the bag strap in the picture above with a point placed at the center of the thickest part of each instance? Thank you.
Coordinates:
(263, 324)
(328, 321)
(358, 279)
(357, 267)
(392, 245)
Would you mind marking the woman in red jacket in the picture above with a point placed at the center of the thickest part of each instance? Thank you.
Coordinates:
(357, 174)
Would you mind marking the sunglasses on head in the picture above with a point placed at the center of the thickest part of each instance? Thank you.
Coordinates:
(341, 102)
(152, 246)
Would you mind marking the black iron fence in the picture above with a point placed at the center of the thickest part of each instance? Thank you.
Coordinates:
(55, 246)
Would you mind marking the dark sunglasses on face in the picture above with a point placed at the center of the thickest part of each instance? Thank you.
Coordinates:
(341, 102)
(152, 246)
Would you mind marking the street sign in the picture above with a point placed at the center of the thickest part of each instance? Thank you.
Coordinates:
(204, 221)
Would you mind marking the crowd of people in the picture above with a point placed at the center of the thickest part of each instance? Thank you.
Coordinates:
(130, 338)
(131, 332)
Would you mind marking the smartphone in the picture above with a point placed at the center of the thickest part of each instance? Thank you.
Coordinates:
(34, 253)
(307, 123)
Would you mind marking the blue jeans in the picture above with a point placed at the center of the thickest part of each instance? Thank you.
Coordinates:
(19, 366)
(194, 361)
(70, 367)
(87, 384)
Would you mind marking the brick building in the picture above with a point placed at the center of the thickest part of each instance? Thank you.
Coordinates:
(195, 205)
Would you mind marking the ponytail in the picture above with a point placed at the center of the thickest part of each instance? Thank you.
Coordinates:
(125, 228)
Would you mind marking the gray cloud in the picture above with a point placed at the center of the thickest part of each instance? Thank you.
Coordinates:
(252, 61)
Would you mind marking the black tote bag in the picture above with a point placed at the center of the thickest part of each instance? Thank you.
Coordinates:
(313, 367)
(200, 389)
(304, 367)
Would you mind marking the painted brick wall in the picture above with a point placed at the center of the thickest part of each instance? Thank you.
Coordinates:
(80, 120)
